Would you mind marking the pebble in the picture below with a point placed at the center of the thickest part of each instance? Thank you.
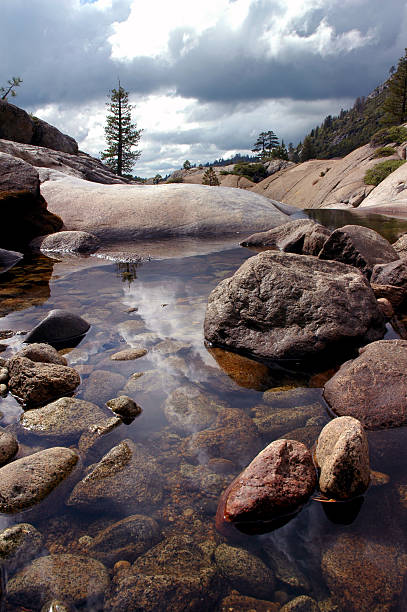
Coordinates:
(3, 375)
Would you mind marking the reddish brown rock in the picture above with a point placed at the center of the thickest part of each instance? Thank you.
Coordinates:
(395, 295)
(386, 307)
(275, 484)
(373, 387)
(235, 602)
(37, 384)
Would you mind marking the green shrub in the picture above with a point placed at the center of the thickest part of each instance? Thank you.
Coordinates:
(224, 173)
(384, 152)
(380, 171)
(175, 179)
(253, 172)
(396, 133)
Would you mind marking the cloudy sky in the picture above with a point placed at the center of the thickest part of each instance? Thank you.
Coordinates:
(206, 76)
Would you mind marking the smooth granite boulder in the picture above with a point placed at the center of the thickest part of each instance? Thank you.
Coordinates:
(59, 326)
(302, 236)
(27, 481)
(275, 484)
(342, 454)
(42, 353)
(36, 384)
(286, 306)
(373, 387)
(66, 242)
(358, 246)
(72, 578)
(130, 212)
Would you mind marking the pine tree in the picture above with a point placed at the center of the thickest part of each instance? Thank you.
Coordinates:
(10, 89)
(395, 104)
(187, 165)
(265, 143)
(121, 134)
(307, 150)
(210, 177)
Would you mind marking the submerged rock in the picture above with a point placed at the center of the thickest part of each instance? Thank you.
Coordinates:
(27, 481)
(188, 409)
(124, 406)
(101, 385)
(362, 574)
(342, 454)
(358, 246)
(303, 603)
(285, 306)
(38, 383)
(275, 484)
(65, 419)
(373, 387)
(126, 476)
(73, 578)
(18, 545)
(59, 326)
(235, 602)
(130, 353)
(245, 571)
(127, 539)
(302, 236)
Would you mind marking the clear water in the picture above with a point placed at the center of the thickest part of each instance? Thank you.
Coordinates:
(128, 304)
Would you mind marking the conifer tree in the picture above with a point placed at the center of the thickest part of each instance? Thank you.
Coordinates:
(307, 150)
(121, 134)
(210, 177)
(395, 104)
(10, 89)
(265, 143)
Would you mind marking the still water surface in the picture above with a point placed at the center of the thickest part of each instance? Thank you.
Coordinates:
(161, 305)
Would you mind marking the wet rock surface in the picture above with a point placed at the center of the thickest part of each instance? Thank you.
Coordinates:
(134, 352)
(42, 353)
(244, 571)
(58, 326)
(101, 384)
(188, 409)
(126, 477)
(235, 602)
(302, 236)
(281, 306)
(176, 574)
(124, 406)
(27, 481)
(66, 242)
(372, 387)
(8, 259)
(127, 539)
(342, 454)
(301, 604)
(65, 419)
(8, 446)
(362, 574)
(358, 246)
(38, 383)
(276, 483)
(72, 578)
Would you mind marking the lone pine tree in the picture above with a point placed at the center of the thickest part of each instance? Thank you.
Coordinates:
(210, 178)
(121, 134)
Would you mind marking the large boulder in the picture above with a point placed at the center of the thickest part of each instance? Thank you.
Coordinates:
(297, 236)
(358, 246)
(24, 210)
(275, 484)
(19, 126)
(373, 387)
(401, 246)
(286, 306)
(342, 454)
(35, 384)
(393, 274)
(129, 212)
(27, 481)
(50, 163)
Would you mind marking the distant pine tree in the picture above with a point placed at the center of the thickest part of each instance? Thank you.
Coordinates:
(395, 104)
(210, 178)
(307, 150)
